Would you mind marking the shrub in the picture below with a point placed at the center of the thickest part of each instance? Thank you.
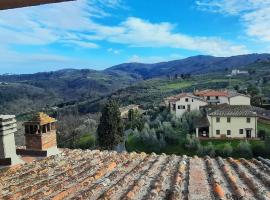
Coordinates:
(191, 142)
(227, 150)
(208, 150)
(259, 149)
(243, 150)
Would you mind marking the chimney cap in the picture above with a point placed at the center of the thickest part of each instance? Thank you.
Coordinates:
(7, 116)
(41, 118)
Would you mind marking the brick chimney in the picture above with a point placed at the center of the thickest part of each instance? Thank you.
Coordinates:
(40, 134)
(8, 127)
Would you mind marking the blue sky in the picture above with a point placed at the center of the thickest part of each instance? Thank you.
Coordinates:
(101, 33)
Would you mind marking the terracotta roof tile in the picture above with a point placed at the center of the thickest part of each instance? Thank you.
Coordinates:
(214, 93)
(234, 111)
(77, 174)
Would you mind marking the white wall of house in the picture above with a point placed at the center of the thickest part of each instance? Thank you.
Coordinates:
(216, 99)
(223, 127)
(239, 100)
(186, 104)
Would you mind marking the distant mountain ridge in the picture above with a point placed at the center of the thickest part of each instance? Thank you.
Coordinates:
(27, 92)
(195, 64)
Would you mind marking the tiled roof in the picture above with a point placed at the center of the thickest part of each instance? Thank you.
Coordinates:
(77, 174)
(201, 122)
(234, 111)
(41, 118)
(214, 93)
(183, 95)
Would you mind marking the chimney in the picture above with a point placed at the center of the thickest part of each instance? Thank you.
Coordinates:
(40, 135)
(8, 127)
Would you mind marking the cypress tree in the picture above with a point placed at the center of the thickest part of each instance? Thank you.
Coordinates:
(110, 130)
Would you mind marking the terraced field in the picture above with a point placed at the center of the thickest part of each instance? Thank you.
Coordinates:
(77, 174)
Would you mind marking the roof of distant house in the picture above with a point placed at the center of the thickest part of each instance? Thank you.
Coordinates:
(234, 111)
(235, 94)
(183, 95)
(214, 93)
(201, 122)
(78, 174)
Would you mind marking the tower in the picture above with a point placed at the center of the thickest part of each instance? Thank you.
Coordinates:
(40, 134)
(8, 127)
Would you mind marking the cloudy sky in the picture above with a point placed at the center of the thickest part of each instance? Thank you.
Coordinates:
(100, 33)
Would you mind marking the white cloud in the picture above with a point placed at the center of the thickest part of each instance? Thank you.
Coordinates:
(74, 24)
(253, 13)
(136, 32)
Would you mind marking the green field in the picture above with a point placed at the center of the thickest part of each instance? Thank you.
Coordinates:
(86, 141)
(176, 85)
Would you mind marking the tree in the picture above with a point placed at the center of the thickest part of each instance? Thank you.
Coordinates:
(69, 129)
(110, 130)
(135, 120)
(227, 150)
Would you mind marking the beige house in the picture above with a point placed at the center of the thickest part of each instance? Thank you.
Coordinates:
(217, 97)
(184, 102)
(239, 99)
(229, 121)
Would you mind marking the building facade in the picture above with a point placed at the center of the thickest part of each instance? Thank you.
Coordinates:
(215, 97)
(239, 99)
(231, 121)
(185, 102)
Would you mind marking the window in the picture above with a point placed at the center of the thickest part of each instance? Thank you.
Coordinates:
(216, 97)
(181, 107)
(43, 129)
(208, 98)
(192, 100)
(174, 107)
(228, 132)
(217, 132)
(228, 119)
(218, 119)
(27, 129)
(241, 131)
(186, 99)
(248, 120)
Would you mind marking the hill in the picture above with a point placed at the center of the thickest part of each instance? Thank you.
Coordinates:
(24, 93)
(195, 65)
(29, 92)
